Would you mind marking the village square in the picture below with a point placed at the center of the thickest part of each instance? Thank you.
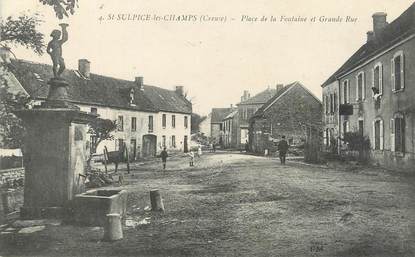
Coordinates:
(97, 165)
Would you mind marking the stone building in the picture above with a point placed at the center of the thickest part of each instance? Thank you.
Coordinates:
(376, 91)
(246, 109)
(293, 112)
(148, 117)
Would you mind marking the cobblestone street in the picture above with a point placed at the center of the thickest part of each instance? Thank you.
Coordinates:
(232, 204)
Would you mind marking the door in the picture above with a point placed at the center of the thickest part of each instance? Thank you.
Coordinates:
(185, 146)
(133, 149)
(149, 145)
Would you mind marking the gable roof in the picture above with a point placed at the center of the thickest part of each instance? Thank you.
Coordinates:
(219, 114)
(231, 115)
(400, 29)
(280, 94)
(98, 89)
(261, 97)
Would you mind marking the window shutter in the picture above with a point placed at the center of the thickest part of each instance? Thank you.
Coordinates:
(402, 71)
(381, 79)
(381, 134)
(357, 88)
(348, 92)
(393, 73)
(363, 86)
(373, 81)
(392, 129)
(374, 134)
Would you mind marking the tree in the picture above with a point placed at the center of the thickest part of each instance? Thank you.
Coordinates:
(11, 127)
(100, 130)
(62, 7)
(22, 31)
(195, 122)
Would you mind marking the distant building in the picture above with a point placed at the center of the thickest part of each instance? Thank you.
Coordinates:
(148, 117)
(217, 117)
(293, 112)
(230, 129)
(376, 92)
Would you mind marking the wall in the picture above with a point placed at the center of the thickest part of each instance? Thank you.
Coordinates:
(245, 112)
(127, 134)
(330, 119)
(391, 103)
(179, 131)
(285, 117)
(11, 175)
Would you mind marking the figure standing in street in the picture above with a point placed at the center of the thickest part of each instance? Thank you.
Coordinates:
(199, 151)
(164, 156)
(283, 148)
(192, 158)
(54, 49)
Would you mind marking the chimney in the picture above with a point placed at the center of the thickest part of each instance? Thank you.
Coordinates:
(139, 82)
(370, 36)
(231, 106)
(180, 90)
(245, 96)
(84, 67)
(5, 54)
(278, 87)
(379, 22)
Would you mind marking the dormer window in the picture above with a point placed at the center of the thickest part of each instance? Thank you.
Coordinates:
(131, 97)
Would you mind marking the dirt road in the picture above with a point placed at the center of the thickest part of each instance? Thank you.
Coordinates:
(242, 205)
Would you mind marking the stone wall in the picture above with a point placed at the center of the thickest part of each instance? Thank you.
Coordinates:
(11, 176)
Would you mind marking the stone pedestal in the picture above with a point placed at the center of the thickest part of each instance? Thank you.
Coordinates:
(54, 154)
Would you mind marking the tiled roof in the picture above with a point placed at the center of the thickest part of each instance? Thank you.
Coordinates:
(399, 29)
(280, 97)
(261, 97)
(219, 114)
(167, 100)
(98, 89)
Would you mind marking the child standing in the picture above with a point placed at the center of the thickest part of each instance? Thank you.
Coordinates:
(192, 158)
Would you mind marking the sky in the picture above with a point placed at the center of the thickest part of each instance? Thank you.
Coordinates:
(214, 61)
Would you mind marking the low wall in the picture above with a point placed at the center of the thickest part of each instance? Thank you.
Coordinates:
(12, 177)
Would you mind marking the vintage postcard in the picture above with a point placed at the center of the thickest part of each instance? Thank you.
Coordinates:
(207, 128)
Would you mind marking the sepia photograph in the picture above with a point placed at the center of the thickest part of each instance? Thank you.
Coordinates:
(207, 128)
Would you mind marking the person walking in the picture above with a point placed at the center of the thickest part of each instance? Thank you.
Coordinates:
(283, 148)
(164, 156)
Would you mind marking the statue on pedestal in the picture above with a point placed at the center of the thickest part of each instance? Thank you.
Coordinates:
(54, 49)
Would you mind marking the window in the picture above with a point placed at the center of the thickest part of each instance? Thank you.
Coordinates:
(346, 127)
(163, 120)
(120, 123)
(378, 134)
(334, 102)
(331, 104)
(346, 92)
(398, 79)
(398, 133)
(94, 110)
(163, 141)
(173, 141)
(361, 127)
(133, 124)
(185, 122)
(120, 144)
(173, 121)
(377, 79)
(360, 86)
(150, 124)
